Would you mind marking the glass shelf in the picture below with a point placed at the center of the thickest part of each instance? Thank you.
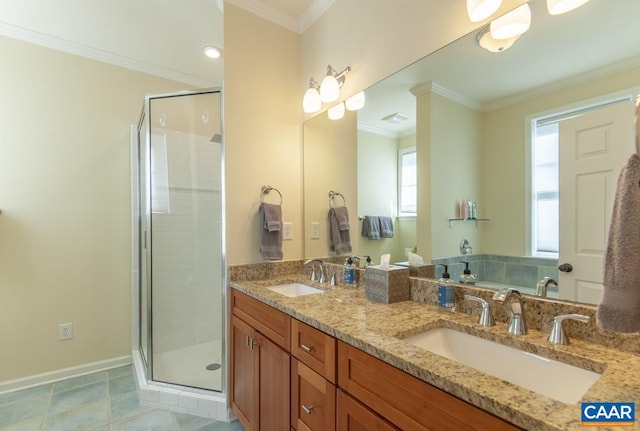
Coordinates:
(453, 220)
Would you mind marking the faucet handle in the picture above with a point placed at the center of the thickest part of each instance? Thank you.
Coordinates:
(486, 318)
(557, 334)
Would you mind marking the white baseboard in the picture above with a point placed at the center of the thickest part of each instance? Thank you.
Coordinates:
(65, 373)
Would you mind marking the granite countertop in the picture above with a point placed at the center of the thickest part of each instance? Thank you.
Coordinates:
(378, 328)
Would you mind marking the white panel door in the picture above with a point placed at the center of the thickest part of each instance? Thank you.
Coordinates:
(593, 149)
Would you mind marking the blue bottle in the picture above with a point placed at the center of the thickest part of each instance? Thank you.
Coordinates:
(446, 292)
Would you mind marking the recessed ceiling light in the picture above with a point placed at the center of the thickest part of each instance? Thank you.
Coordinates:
(212, 52)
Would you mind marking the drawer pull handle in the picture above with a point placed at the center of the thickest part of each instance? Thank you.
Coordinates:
(306, 409)
(246, 340)
(306, 348)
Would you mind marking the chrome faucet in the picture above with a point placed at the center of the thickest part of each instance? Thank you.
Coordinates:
(486, 318)
(557, 335)
(541, 288)
(517, 322)
(323, 270)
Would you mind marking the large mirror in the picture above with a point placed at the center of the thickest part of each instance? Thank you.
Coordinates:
(471, 114)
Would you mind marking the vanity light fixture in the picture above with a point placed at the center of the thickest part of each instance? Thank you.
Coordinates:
(328, 91)
(336, 112)
(355, 102)
(511, 24)
(311, 102)
(212, 52)
(479, 10)
(557, 7)
(486, 41)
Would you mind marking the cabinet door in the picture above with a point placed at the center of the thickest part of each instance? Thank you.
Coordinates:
(244, 374)
(313, 399)
(274, 386)
(353, 416)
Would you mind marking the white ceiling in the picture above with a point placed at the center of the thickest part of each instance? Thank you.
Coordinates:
(160, 37)
(599, 38)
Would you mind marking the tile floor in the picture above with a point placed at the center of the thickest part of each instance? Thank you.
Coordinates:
(102, 401)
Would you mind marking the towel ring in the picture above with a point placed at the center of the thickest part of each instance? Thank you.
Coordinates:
(332, 196)
(265, 191)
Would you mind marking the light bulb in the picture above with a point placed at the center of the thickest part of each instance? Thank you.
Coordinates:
(355, 102)
(481, 9)
(336, 112)
(494, 45)
(311, 101)
(511, 24)
(329, 89)
(212, 52)
(557, 7)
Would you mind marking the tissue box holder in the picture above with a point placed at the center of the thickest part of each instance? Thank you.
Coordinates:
(387, 285)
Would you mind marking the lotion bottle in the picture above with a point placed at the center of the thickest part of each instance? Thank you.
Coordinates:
(446, 292)
(349, 272)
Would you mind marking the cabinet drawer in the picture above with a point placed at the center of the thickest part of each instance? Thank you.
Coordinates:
(315, 348)
(267, 320)
(313, 399)
(406, 401)
(353, 416)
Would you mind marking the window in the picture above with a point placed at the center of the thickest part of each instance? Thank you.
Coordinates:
(545, 182)
(407, 182)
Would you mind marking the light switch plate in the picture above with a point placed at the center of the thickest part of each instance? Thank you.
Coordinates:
(287, 230)
(315, 230)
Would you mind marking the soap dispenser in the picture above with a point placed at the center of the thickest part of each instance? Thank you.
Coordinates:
(466, 277)
(446, 292)
(369, 262)
(349, 272)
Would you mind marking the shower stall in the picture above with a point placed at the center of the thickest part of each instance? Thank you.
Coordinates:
(178, 249)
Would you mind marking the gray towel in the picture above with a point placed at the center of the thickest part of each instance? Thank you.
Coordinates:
(371, 227)
(339, 237)
(271, 231)
(619, 309)
(386, 227)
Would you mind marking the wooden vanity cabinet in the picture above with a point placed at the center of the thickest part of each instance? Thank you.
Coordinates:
(406, 401)
(260, 364)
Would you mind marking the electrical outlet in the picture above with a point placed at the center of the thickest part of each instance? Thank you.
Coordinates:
(315, 230)
(287, 230)
(65, 331)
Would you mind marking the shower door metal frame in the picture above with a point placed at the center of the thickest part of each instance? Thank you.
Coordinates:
(145, 235)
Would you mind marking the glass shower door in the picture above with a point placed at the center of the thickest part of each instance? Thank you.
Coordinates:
(184, 240)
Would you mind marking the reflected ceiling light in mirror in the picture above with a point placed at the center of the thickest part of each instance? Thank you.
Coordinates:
(355, 102)
(311, 102)
(482, 9)
(511, 24)
(336, 112)
(557, 7)
(486, 41)
(212, 52)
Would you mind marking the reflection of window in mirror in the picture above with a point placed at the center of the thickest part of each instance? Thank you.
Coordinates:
(545, 206)
(407, 182)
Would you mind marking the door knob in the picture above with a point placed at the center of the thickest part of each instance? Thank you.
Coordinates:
(565, 267)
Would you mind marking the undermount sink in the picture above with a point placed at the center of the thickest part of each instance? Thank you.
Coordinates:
(294, 289)
(542, 375)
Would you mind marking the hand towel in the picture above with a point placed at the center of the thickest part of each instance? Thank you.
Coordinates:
(386, 227)
(371, 227)
(339, 237)
(619, 309)
(271, 231)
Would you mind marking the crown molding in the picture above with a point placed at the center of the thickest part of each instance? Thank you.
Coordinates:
(378, 131)
(432, 87)
(313, 12)
(565, 83)
(47, 41)
(298, 25)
